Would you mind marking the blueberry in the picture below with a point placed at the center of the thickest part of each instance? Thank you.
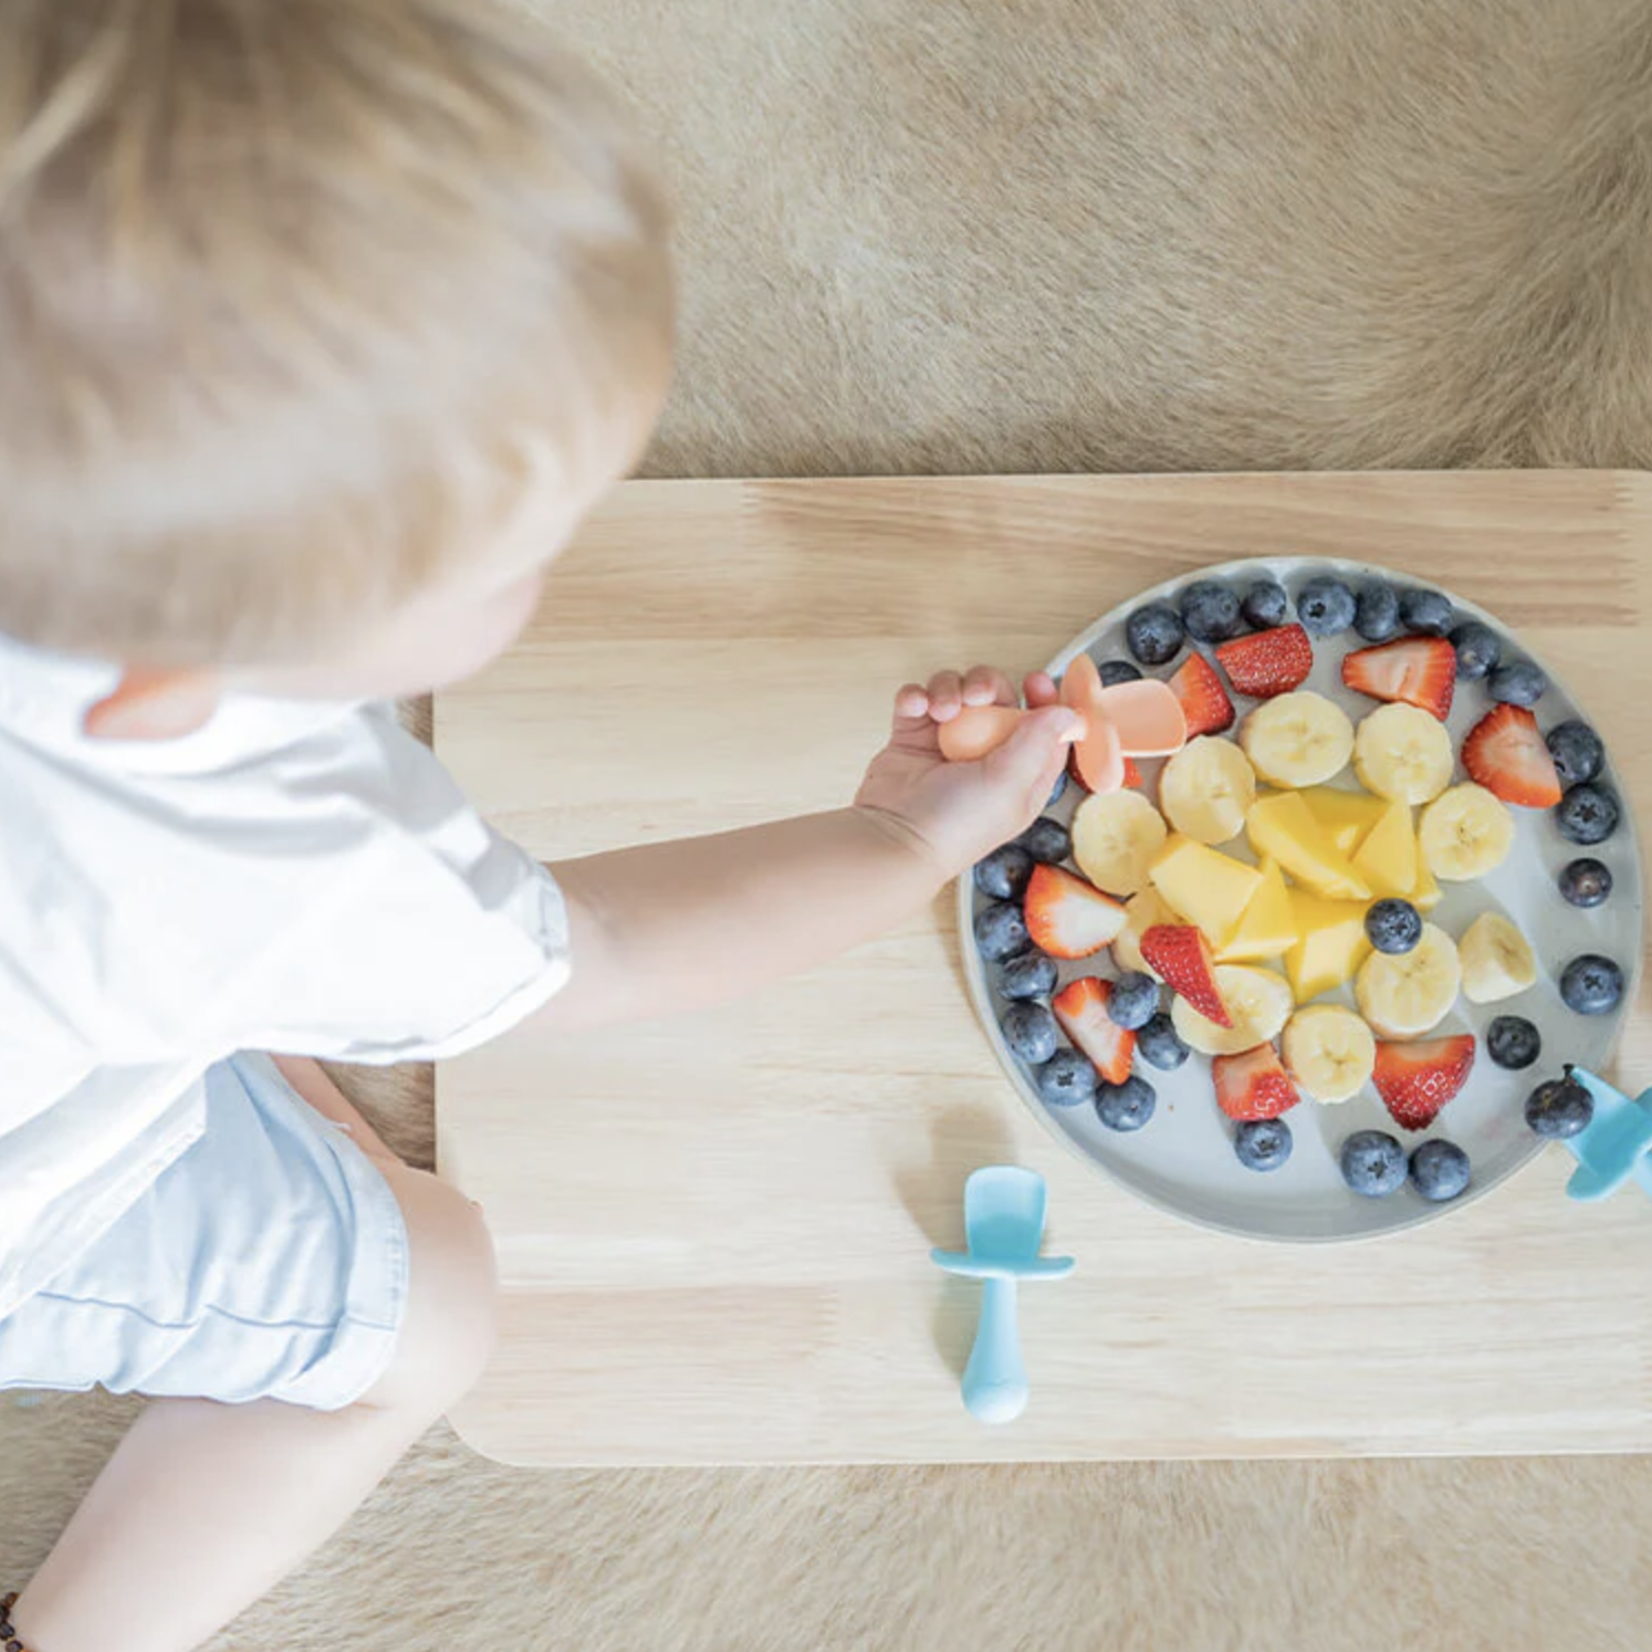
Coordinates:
(1000, 930)
(1373, 1163)
(1160, 1045)
(1029, 974)
(1577, 752)
(1004, 873)
(1591, 985)
(1265, 605)
(1588, 814)
(1513, 1042)
(1439, 1170)
(1377, 614)
(1426, 613)
(1134, 1000)
(1559, 1108)
(1046, 840)
(1393, 926)
(1479, 648)
(1056, 790)
(1066, 1080)
(1126, 1106)
(1210, 611)
(1262, 1144)
(1585, 882)
(1519, 684)
(1325, 606)
(1114, 672)
(1030, 1032)
(1154, 633)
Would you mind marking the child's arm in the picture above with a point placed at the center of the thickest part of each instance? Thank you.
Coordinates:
(675, 926)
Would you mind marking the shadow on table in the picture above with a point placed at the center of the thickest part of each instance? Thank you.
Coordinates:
(960, 1140)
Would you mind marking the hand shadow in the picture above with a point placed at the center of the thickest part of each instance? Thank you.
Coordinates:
(961, 1140)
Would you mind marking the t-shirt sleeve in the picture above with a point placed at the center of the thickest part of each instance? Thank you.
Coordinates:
(425, 932)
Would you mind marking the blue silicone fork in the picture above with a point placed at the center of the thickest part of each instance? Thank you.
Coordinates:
(1004, 1228)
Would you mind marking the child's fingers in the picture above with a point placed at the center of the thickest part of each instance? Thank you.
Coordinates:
(1040, 689)
(987, 686)
(1031, 758)
(911, 703)
(946, 696)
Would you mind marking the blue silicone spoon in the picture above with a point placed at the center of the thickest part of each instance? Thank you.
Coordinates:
(1004, 1228)
(1613, 1146)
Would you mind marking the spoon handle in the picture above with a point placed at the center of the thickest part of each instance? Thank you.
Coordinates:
(995, 1380)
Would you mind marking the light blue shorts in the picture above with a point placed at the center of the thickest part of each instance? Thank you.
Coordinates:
(269, 1262)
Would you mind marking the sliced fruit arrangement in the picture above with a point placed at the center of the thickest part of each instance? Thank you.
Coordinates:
(1297, 739)
(1269, 663)
(1415, 671)
(1219, 904)
(1067, 917)
(1180, 956)
(1330, 1052)
(1416, 1080)
(1204, 702)
(1507, 754)
(1206, 790)
(1257, 1001)
(1081, 1008)
(1253, 1084)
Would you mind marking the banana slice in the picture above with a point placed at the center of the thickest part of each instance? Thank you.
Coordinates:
(1465, 833)
(1206, 790)
(1141, 912)
(1299, 739)
(1330, 1052)
(1403, 754)
(1407, 994)
(1258, 1001)
(1497, 960)
(1116, 838)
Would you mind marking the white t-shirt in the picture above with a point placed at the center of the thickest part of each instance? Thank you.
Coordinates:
(298, 878)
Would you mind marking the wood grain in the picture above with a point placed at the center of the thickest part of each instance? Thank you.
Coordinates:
(713, 1235)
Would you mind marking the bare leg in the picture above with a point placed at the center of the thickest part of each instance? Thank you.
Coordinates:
(204, 1506)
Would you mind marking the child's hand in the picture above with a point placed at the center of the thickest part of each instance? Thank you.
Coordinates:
(958, 812)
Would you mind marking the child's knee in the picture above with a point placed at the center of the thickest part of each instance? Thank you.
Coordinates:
(451, 1320)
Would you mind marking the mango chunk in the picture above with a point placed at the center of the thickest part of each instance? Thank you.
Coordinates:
(1206, 887)
(1331, 944)
(1283, 828)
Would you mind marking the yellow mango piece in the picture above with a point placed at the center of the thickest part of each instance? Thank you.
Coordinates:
(1206, 887)
(1268, 927)
(1283, 828)
(1426, 895)
(1388, 858)
(1345, 817)
(1330, 947)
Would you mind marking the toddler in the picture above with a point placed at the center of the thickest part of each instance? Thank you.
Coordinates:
(322, 325)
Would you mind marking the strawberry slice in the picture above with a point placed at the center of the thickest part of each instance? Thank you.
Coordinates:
(1081, 1008)
(1269, 663)
(1068, 917)
(1180, 956)
(1253, 1084)
(1205, 703)
(1416, 1080)
(1507, 754)
(1132, 775)
(1415, 671)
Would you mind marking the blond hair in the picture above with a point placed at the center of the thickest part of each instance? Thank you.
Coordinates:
(295, 298)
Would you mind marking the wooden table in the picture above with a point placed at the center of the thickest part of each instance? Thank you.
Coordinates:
(713, 1234)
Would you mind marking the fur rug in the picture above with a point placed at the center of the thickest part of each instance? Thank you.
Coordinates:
(1068, 234)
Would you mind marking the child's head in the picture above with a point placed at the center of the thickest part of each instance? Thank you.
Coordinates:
(322, 322)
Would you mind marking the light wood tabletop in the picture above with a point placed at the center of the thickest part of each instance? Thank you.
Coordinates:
(714, 1233)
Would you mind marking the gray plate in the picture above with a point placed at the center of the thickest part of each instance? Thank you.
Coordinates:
(1183, 1160)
